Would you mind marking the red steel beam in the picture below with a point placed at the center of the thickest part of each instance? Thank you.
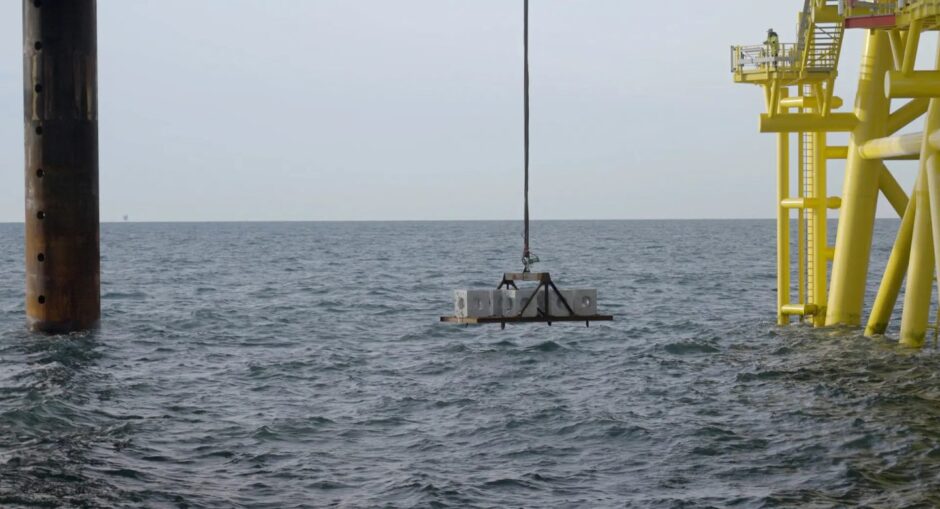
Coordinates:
(883, 21)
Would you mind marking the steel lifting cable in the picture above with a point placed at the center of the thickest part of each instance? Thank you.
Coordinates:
(525, 45)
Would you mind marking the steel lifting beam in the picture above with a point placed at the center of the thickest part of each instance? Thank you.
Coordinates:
(61, 125)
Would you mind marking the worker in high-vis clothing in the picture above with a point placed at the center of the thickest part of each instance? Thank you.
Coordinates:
(773, 46)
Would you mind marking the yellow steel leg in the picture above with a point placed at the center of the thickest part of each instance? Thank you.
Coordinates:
(894, 273)
(783, 227)
(820, 239)
(920, 270)
(933, 188)
(919, 274)
(930, 155)
(861, 188)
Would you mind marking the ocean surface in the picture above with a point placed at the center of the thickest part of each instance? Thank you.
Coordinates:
(289, 365)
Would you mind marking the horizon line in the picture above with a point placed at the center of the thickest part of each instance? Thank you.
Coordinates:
(233, 221)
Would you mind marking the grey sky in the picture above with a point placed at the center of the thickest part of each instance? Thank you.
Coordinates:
(411, 109)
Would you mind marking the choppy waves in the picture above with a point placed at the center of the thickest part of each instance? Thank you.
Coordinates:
(301, 365)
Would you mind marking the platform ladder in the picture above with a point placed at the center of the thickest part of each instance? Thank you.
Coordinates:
(812, 204)
(820, 46)
(807, 254)
(808, 277)
(815, 59)
(813, 294)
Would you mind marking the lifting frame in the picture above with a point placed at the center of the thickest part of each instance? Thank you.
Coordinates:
(545, 283)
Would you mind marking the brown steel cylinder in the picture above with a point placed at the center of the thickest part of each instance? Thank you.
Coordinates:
(60, 80)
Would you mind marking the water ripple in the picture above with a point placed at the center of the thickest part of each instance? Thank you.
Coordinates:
(230, 374)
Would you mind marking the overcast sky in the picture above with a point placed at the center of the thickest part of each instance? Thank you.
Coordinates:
(411, 109)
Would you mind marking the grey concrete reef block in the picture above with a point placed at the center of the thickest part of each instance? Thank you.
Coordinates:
(510, 303)
(477, 303)
(514, 300)
(582, 301)
(585, 302)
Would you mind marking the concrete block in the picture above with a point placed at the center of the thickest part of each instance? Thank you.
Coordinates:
(477, 303)
(583, 302)
(557, 308)
(513, 300)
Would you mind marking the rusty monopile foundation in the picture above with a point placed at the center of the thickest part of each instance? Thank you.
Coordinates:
(61, 120)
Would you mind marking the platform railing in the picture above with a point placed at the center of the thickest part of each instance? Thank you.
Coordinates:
(802, 28)
(763, 58)
(860, 8)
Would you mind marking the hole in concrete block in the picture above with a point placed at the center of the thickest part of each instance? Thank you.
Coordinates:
(42, 299)
(41, 257)
(40, 173)
(41, 215)
(37, 45)
(38, 88)
(37, 3)
(39, 130)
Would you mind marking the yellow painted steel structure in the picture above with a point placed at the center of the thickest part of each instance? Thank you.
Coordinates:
(797, 80)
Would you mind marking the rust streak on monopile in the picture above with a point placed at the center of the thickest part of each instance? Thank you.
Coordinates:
(61, 126)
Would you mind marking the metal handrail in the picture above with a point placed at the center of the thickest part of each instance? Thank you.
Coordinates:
(759, 58)
(802, 31)
(804, 55)
(860, 8)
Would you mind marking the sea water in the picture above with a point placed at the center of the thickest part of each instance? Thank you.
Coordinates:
(302, 365)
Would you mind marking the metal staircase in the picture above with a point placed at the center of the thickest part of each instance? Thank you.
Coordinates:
(820, 41)
(814, 57)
